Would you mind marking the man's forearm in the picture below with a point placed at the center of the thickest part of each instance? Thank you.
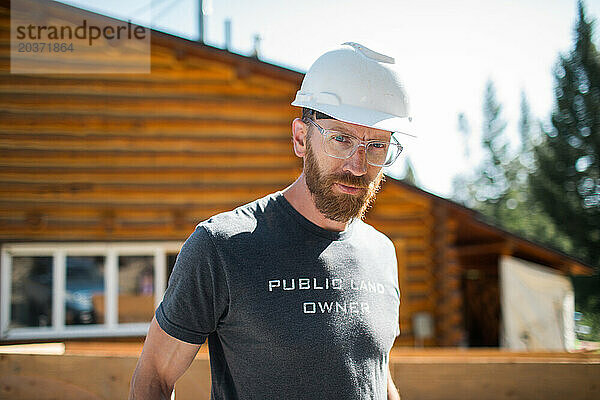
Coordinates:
(146, 385)
(392, 391)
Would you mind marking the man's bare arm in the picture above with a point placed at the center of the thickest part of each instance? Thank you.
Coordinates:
(392, 391)
(164, 359)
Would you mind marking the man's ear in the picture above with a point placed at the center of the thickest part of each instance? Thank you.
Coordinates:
(299, 137)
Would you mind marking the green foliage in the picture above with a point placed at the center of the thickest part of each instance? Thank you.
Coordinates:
(488, 182)
(491, 185)
(593, 321)
(547, 190)
(499, 186)
(587, 302)
(566, 182)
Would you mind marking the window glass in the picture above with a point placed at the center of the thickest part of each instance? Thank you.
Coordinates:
(31, 299)
(136, 288)
(84, 296)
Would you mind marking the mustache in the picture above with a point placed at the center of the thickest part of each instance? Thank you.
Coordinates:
(349, 179)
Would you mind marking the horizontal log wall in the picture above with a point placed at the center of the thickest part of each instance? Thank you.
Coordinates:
(148, 156)
(140, 156)
(406, 218)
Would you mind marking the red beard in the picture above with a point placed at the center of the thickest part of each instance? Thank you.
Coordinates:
(340, 207)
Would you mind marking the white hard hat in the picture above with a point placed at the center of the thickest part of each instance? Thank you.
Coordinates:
(357, 85)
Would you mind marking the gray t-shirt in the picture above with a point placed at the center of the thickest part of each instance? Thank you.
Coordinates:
(290, 310)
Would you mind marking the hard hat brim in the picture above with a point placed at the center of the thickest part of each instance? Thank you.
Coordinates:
(364, 117)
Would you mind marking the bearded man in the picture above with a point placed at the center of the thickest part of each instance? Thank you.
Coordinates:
(297, 296)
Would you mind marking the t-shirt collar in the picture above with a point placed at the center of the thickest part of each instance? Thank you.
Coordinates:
(309, 225)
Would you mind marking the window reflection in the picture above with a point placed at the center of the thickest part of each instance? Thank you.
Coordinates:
(31, 300)
(84, 297)
(136, 288)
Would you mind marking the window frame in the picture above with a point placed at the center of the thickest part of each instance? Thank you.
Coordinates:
(59, 252)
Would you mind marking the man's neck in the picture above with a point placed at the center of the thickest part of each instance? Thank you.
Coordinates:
(298, 195)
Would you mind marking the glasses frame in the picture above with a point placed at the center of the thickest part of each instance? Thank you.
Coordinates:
(364, 143)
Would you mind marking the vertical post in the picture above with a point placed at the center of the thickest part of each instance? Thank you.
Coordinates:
(256, 51)
(111, 289)
(5, 291)
(228, 34)
(59, 289)
(200, 22)
(449, 310)
(160, 275)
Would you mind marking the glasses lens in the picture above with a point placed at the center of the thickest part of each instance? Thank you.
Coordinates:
(380, 154)
(377, 152)
(383, 154)
(339, 145)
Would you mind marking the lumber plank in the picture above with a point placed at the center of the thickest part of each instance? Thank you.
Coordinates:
(207, 127)
(107, 196)
(140, 175)
(130, 142)
(138, 85)
(64, 377)
(231, 107)
(42, 158)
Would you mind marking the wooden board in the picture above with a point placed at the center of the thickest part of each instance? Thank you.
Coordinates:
(419, 374)
(459, 380)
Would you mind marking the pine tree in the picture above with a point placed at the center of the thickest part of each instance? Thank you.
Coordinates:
(499, 186)
(462, 191)
(518, 211)
(566, 182)
(517, 196)
(488, 186)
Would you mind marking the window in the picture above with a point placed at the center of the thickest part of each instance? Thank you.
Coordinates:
(84, 293)
(31, 303)
(136, 288)
(82, 290)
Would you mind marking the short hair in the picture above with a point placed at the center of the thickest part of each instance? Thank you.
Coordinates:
(307, 113)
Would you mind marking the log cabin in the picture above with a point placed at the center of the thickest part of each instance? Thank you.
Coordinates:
(104, 175)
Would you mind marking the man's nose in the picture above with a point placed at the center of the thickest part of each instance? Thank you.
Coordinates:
(357, 163)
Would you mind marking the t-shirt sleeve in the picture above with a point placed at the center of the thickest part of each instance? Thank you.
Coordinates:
(197, 295)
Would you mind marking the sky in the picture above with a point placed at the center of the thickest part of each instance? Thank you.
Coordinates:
(445, 52)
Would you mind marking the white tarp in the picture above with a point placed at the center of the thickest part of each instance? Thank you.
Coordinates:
(538, 306)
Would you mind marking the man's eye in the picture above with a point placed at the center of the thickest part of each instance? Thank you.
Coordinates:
(379, 145)
(341, 138)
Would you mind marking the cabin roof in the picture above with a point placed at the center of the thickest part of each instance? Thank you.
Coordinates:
(500, 240)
